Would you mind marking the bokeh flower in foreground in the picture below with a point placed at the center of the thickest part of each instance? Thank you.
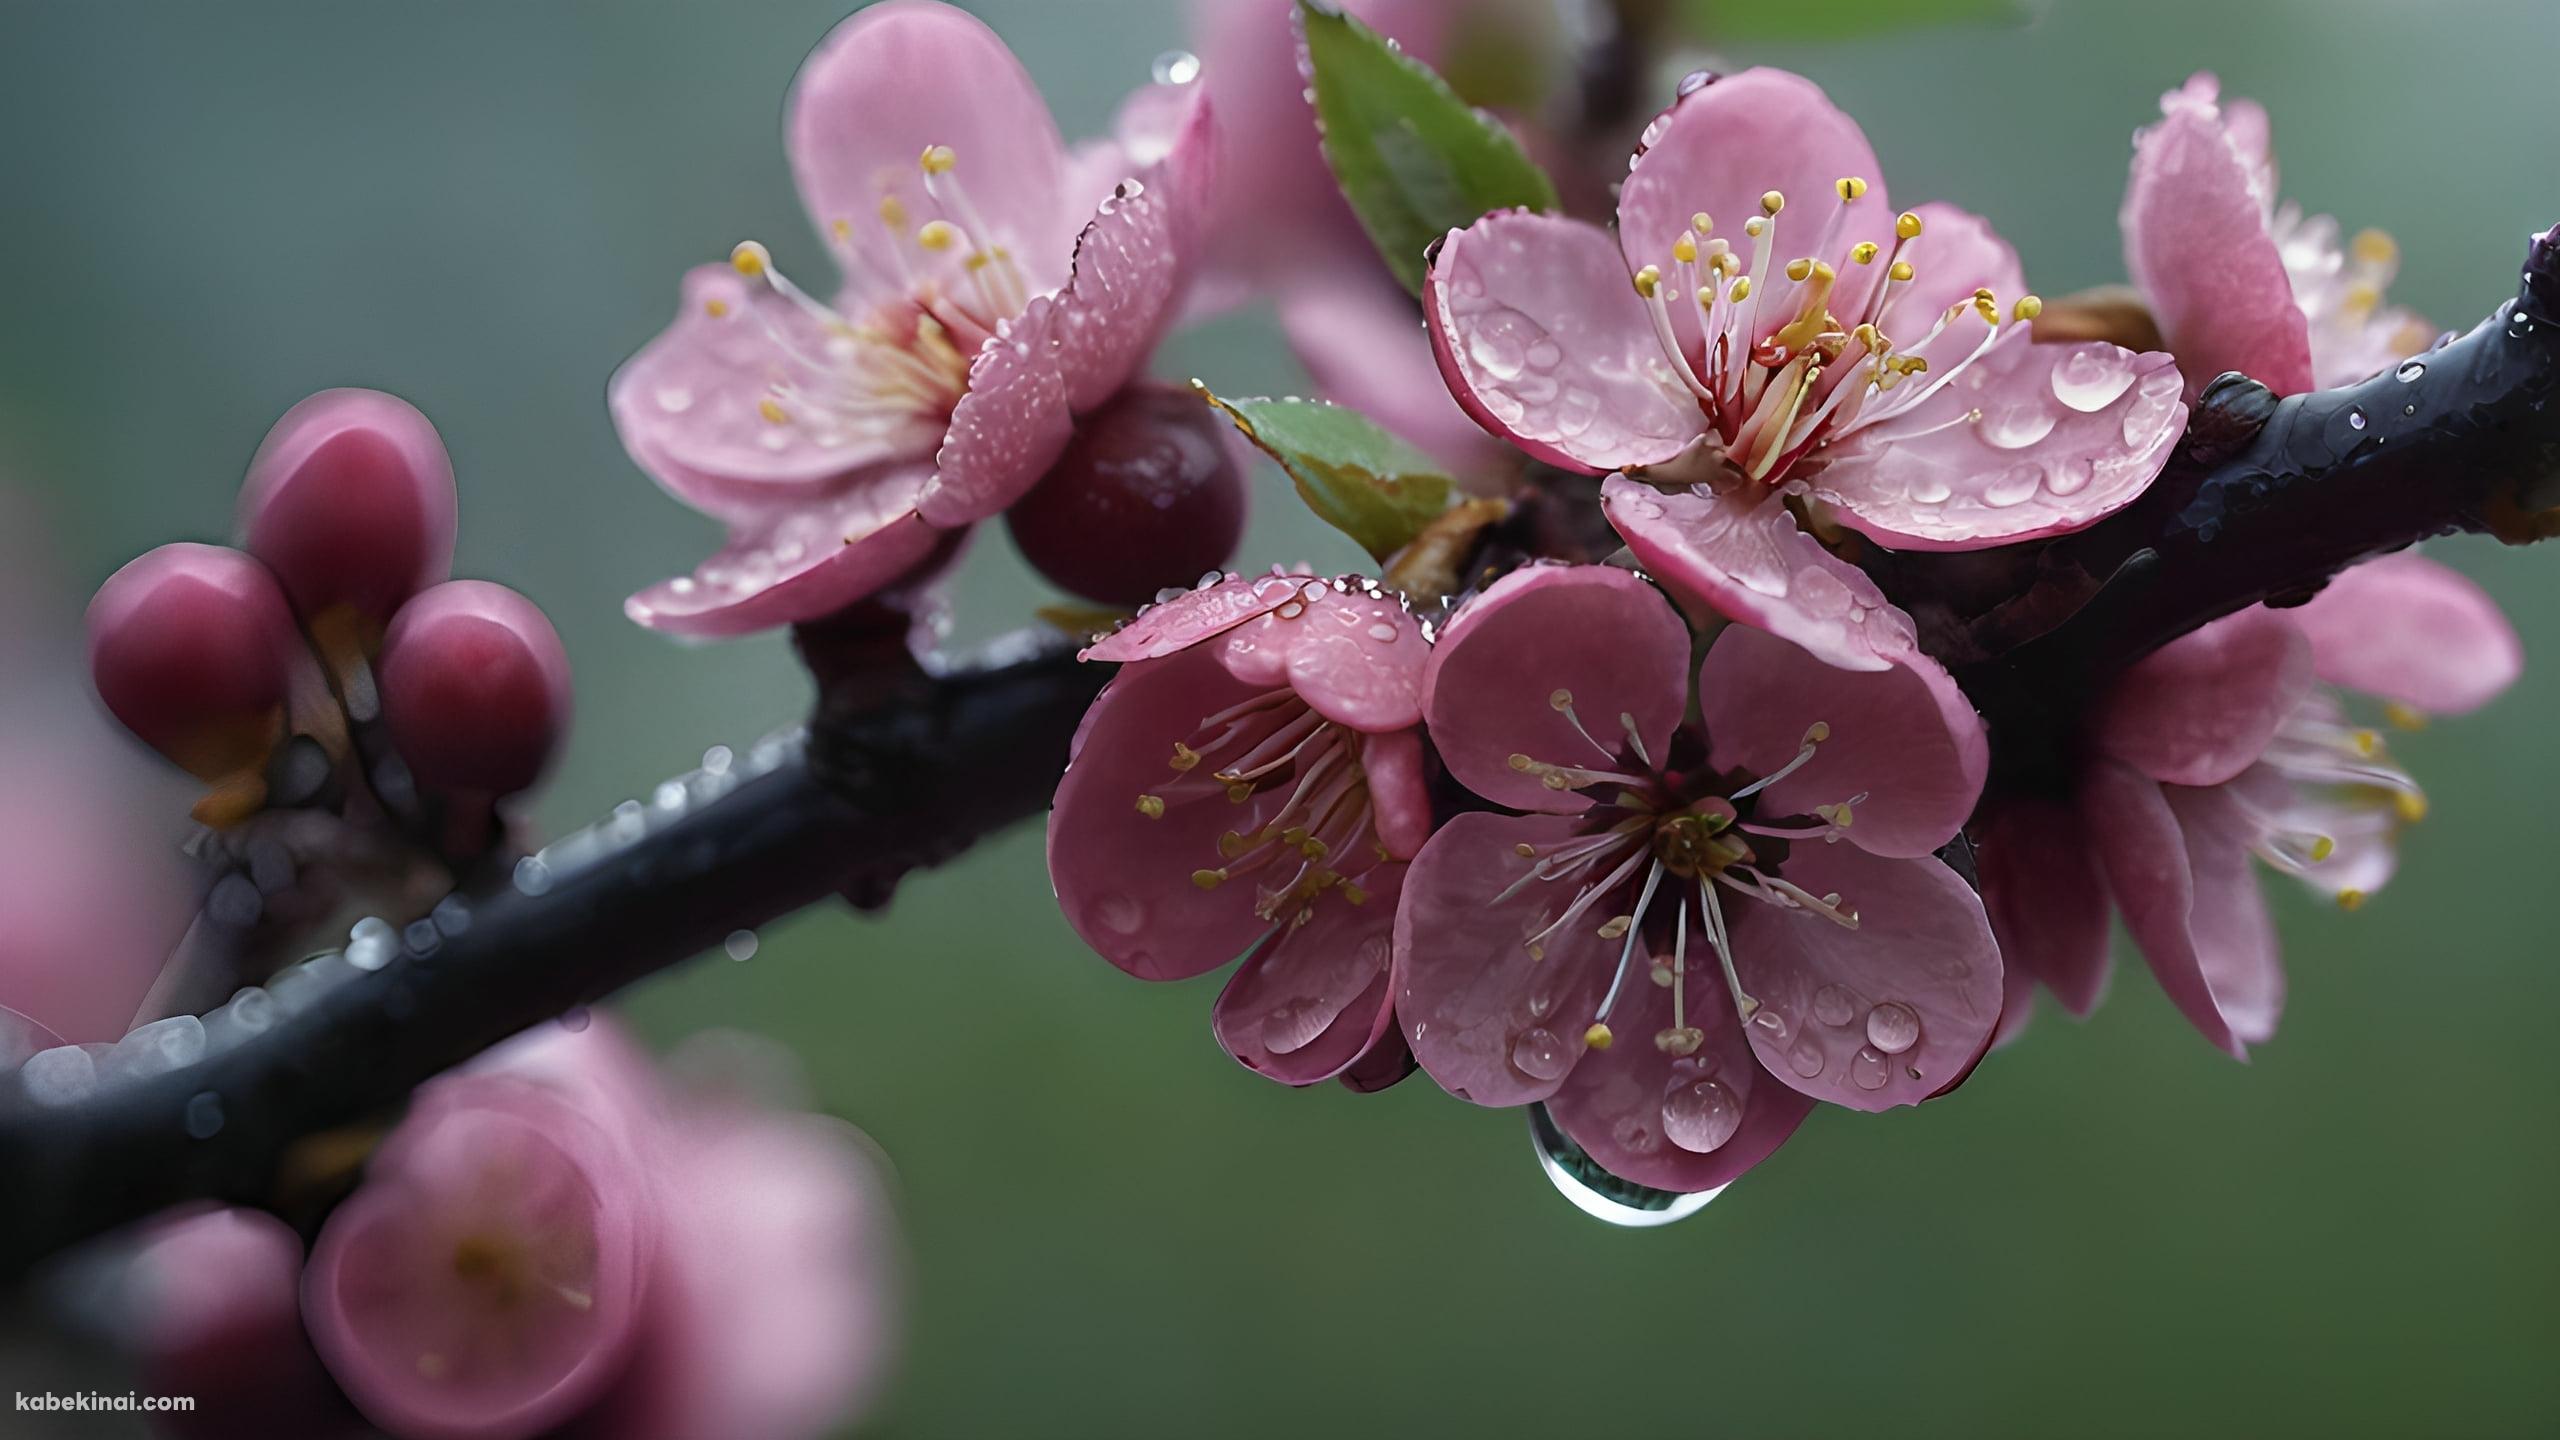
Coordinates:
(2238, 280)
(1692, 931)
(1763, 323)
(997, 285)
(1252, 779)
(2232, 742)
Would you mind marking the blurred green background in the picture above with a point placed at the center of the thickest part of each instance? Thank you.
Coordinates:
(214, 209)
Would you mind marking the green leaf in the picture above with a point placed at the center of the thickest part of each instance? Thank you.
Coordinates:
(1358, 478)
(1768, 21)
(1414, 160)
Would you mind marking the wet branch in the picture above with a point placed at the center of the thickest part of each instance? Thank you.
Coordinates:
(903, 768)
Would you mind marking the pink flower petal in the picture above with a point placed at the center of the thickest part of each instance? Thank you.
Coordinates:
(1008, 428)
(897, 78)
(1189, 618)
(1539, 631)
(1398, 790)
(798, 563)
(1677, 1123)
(2203, 707)
(2196, 243)
(1888, 1014)
(688, 406)
(1540, 334)
(2028, 440)
(487, 1277)
(1492, 1023)
(2177, 864)
(1719, 149)
(2408, 629)
(1905, 738)
(1124, 879)
(1313, 998)
(1956, 253)
(1131, 263)
(1739, 554)
(2048, 905)
(215, 1302)
(1357, 656)
(771, 1310)
(1355, 331)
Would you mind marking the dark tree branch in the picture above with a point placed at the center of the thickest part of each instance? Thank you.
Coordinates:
(910, 773)
(903, 768)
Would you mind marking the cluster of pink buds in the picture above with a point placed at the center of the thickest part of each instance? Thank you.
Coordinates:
(328, 667)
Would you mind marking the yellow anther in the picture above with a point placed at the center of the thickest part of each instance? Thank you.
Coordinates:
(1523, 763)
(1724, 262)
(1799, 268)
(1851, 187)
(2027, 308)
(1817, 732)
(1151, 806)
(1560, 700)
(1524, 850)
(2412, 806)
(715, 307)
(1868, 338)
(1755, 225)
(1771, 202)
(2362, 298)
(2373, 247)
(1184, 757)
(1598, 1036)
(1742, 288)
(1537, 951)
(1353, 894)
(1987, 305)
(1314, 849)
(937, 160)
(977, 260)
(1685, 249)
(2322, 847)
(1618, 925)
(1864, 252)
(1208, 879)
(1703, 223)
(938, 235)
(1899, 271)
(2351, 900)
(750, 259)
(771, 409)
(1648, 280)
(2404, 717)
(1907, 225)
(2368, 743)
(893, 212)
(1232, 846)
(842, 230)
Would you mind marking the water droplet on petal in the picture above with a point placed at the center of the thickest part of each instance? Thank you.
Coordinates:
(1834, 1005)
(1806, 1058)
(2014, 486)
(1120, 913)
(575, 1020)
(1931, 489)
(1893, 1027)
(1700, 1115)
(2089, 380)
(1540, 1055)
(1597, 1193)
(2017, 425)
(1867, 1069)
(2069, 474)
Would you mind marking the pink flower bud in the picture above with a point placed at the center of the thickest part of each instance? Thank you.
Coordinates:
(1148, 495)
(350, 500)
(216, 1315)
(192, 647)
(475, 687)
(486, 1280)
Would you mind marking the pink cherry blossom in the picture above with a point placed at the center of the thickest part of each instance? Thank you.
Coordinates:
(2232, 742)
(1283, 228)
(2239, 281)
(554, 1241)
(1763, 323)
(211, 1308)
(1252, 780)
(1695, 930)
(996, 286)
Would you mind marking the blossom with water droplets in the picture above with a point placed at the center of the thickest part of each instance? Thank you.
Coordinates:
(2239, 280)
(1693, 929)
(1765, 327)
(1252, 780)
(2232, 743)
(996, 286)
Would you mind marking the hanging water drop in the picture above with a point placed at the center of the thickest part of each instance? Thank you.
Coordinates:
(1597, 1193)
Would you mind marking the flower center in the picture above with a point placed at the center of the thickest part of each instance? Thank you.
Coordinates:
(1647, 822)
(1774, 366)
(1314, 834)
(906, 358)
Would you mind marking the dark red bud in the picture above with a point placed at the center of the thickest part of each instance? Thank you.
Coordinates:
(475, 688)
(192, 647)
(1149, 494)
(350, 501)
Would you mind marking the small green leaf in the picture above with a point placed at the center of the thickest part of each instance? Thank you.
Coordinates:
(1726, 22)
(1354, 474)
(1414, 160)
